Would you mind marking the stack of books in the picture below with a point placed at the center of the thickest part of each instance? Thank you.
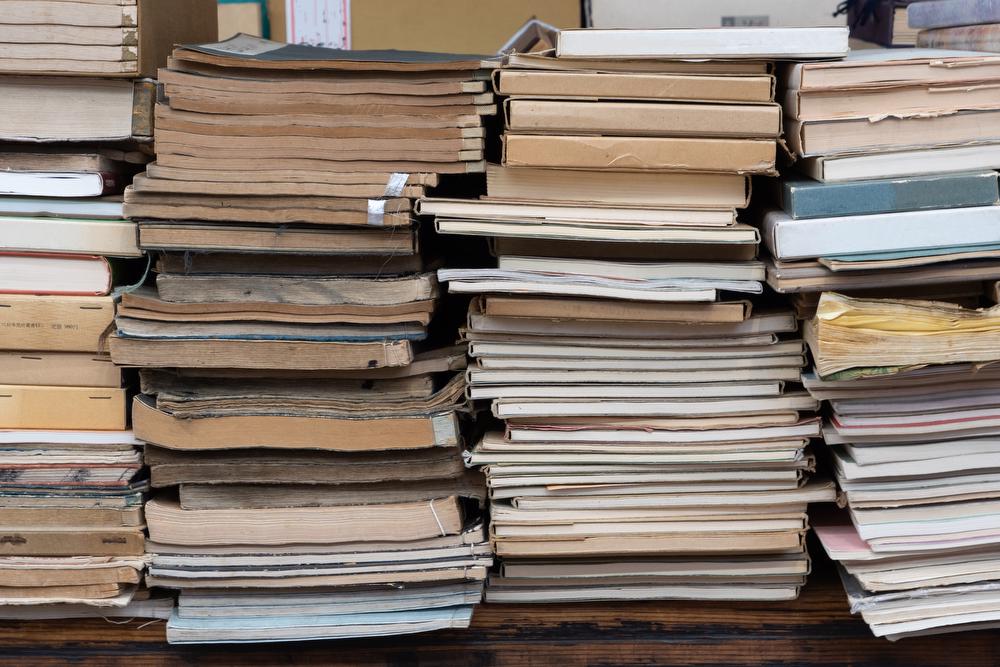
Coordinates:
(73, 482)
(913, 437)
(898, 150)
(957, 24)
(303, 425)
(884, 22)
(651, 443)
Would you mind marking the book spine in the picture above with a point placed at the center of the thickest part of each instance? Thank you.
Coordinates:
(889, 196)
(953, 13)
(969, 38)
(876, 26)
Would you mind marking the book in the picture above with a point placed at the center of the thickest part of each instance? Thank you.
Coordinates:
(343, 434)
(667, 190)
(804, 198)
(974, 37)
(127, 39)
(55, 323)
(109, 238)
(938, 160)
(872, 69)
(54, 109)
(657, 154)
(952, 13)
(516, 83)
(68, 275)
(23, 407)
(693, 43)
(788, 238)
(642, 118)
(274, 239)
(59, 369)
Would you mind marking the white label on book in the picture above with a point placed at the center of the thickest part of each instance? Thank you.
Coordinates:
(445, 432)
(397, 181)
(319, 23)
(376, 212)
(245, 45)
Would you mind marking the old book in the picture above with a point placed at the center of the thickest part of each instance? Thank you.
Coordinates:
(787, 238)
(253, 496)
(952, 13)
(55, 323)
(985, 37)
(220, 468)
(879, 68)
(745, 249)
(290, 432)
(678, 236)
(247, 352)
(274, 239)
(902, 163)
(804, 198)
(83, 517)
(741, 156)
(642, 118)
(80, 408)
(45, 274)
(626, 217)
(311, 291)
(136, 35)
(639, 86)
(731, 43)
(169, 524)
(145, 304)
(587, 309)
(50, 109)
(393, 212)
(286, 178)
(838, 320)
(735, 271)
(597, 64)
(143, 184)
(670, 190)
(59, 369)
(250, 52)
(71, 541)
(811, 138)
(111, 238)
(301, 265)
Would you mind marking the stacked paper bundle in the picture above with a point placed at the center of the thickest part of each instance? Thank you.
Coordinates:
(913, 435)
(898, 148)
(287, 385)
(653, 444)
(957, 24)
(73, 481)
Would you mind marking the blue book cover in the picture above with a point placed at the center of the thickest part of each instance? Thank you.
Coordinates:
(952, 13)
(804, 198)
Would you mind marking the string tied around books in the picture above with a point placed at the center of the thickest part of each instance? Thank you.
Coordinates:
(437, 519)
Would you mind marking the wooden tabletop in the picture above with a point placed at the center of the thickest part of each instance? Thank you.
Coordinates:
(816, 629)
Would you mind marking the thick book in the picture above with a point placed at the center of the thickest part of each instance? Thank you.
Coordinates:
(881, 68)
(655, 154)
(398, 522)
(55, 323)
(788, 238)
(951, 160)
(634, 86)
(953, 13)
(973, 38)
(632, 119)
(806, 198)
(290, 432)
(79, 408)
(71, 541)
(131, 38)
(59, 184)
(236, 238)
(55, 109)
(110, 238)
(45, 274)
(610, 188)
(709, 43)
(59, 369)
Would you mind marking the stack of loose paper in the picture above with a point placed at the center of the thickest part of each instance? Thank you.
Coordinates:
(898, 150)
(913, 433)
(304, 425)
(650, 441)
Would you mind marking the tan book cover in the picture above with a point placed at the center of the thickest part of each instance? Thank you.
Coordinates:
(62, 408)
(55, 323)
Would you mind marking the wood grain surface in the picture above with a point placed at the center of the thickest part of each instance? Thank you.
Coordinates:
(814, 630)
